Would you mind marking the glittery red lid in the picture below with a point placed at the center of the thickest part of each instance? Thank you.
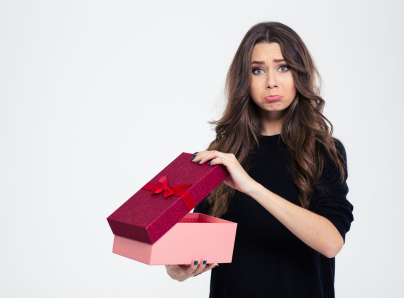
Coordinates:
(146, 217)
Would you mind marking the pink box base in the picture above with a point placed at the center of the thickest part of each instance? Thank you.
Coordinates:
(195, 237)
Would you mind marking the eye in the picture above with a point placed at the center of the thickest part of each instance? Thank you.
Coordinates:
(282, 66)
(255, 69)
(285, 65)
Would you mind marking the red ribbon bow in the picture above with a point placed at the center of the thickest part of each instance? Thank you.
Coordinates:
(176, 190)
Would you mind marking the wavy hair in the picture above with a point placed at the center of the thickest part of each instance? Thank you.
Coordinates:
(304, 129)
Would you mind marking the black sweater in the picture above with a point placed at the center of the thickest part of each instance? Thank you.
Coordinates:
(268, 260)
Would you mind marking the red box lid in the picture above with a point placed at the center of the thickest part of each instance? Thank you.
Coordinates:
(147, 217)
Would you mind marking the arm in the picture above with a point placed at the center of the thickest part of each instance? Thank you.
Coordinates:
(313, 229)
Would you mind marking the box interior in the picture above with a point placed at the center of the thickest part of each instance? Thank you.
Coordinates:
(201, 218)
(194, 220)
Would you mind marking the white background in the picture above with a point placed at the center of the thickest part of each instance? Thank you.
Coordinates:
(97, 96)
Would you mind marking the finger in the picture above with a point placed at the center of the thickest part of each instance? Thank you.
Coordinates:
(212, 162)
(199, 157)
(222, 159)
(204, 156)
(201, 267)
(216, 160)
(210, 266)
(191, 268)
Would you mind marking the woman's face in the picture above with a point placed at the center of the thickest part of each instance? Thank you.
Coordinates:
(271, 76)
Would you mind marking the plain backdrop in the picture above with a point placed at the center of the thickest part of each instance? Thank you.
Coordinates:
(96, 97)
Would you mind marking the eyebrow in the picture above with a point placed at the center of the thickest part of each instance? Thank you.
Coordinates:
(262, 62)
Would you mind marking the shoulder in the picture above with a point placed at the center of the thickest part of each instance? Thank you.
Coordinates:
(332, 183)
(329, 164)
(339, 146)
(331, 176)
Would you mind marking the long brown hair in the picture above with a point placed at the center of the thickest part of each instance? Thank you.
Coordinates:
(304, 128)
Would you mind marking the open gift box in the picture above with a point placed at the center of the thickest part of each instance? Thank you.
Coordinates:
(195, 237)
(155, 227)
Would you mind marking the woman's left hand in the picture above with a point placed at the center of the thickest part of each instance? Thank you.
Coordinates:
(238, 178)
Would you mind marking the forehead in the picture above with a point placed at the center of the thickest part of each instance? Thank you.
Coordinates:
(267, 51)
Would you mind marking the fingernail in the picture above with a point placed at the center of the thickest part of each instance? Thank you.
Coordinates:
(217, 265)
(209, 163)
(196, 263)
(196, 153)
(204, 262)
(199, 161)
(192, 158)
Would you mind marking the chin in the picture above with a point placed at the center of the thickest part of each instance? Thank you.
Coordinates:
(273, 106)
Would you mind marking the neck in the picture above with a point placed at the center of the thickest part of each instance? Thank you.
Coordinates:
(271, 123)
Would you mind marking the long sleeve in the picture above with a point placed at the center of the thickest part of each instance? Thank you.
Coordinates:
(268, 259)
(333, 203)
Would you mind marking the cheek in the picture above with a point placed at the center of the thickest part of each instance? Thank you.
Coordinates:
(290, 85)
(254, 86)
(292, 92)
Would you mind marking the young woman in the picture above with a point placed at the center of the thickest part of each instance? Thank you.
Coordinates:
(287, 184)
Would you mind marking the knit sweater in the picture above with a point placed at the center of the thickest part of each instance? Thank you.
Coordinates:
(268, 259)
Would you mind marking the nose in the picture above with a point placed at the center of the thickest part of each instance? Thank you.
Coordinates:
(271, 82)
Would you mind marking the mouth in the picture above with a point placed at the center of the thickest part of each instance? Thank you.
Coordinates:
(273, 98)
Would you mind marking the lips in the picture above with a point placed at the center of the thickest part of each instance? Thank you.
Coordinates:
(273, 97)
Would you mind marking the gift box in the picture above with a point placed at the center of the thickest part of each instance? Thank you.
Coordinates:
(159, 211)
(195, 237)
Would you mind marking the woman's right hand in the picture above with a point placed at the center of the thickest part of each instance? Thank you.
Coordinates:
(182, 272)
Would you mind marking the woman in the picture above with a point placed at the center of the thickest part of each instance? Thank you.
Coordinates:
(287, 184)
